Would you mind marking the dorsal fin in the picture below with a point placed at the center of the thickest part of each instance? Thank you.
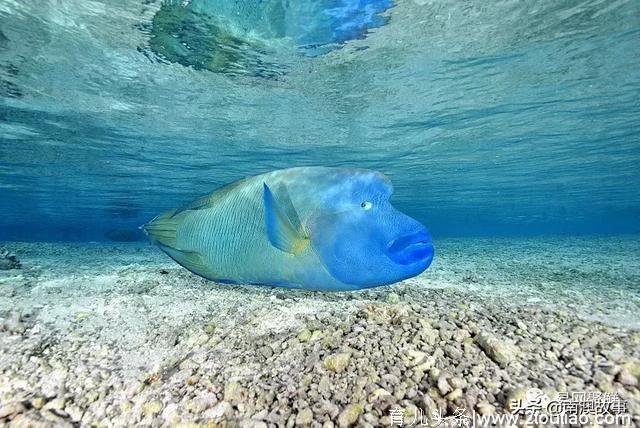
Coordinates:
(209, 200)
(280, 228)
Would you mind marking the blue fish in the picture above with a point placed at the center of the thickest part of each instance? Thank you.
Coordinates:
(316, 228)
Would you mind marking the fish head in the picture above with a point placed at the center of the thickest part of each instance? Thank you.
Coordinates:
(361, 238)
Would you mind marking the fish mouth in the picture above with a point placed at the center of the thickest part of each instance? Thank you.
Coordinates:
(413, 248)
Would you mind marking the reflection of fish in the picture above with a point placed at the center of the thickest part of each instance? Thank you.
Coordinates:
(257, 38)
(312, 227)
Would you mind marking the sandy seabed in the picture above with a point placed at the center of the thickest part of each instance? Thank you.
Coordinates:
(119, 335)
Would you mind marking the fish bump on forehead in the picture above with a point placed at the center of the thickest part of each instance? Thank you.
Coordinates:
(350, 183)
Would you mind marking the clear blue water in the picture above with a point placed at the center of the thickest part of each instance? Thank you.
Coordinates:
(494, 118)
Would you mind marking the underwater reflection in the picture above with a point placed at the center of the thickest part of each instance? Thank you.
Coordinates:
(255, 38)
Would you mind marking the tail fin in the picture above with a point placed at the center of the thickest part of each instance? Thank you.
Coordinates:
(162, 232)
(162, 229)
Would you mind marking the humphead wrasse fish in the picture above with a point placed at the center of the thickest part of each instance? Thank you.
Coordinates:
(316, 228)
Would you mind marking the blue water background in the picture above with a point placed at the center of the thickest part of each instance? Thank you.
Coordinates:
(493, 118)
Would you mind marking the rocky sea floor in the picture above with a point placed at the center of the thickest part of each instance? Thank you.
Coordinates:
(108, 335)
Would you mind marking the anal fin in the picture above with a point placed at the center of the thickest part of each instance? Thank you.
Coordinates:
(191, 260)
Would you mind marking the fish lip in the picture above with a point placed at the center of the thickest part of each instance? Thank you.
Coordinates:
(411, 249)
(417, 238)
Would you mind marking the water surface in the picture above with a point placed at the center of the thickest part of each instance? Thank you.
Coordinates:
(492, 118)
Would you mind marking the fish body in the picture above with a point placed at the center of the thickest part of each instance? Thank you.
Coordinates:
(315, 228)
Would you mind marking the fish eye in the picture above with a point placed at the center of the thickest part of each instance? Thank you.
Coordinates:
(366, 205)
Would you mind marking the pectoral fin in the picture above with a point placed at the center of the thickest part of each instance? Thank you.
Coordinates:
(280, 228)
